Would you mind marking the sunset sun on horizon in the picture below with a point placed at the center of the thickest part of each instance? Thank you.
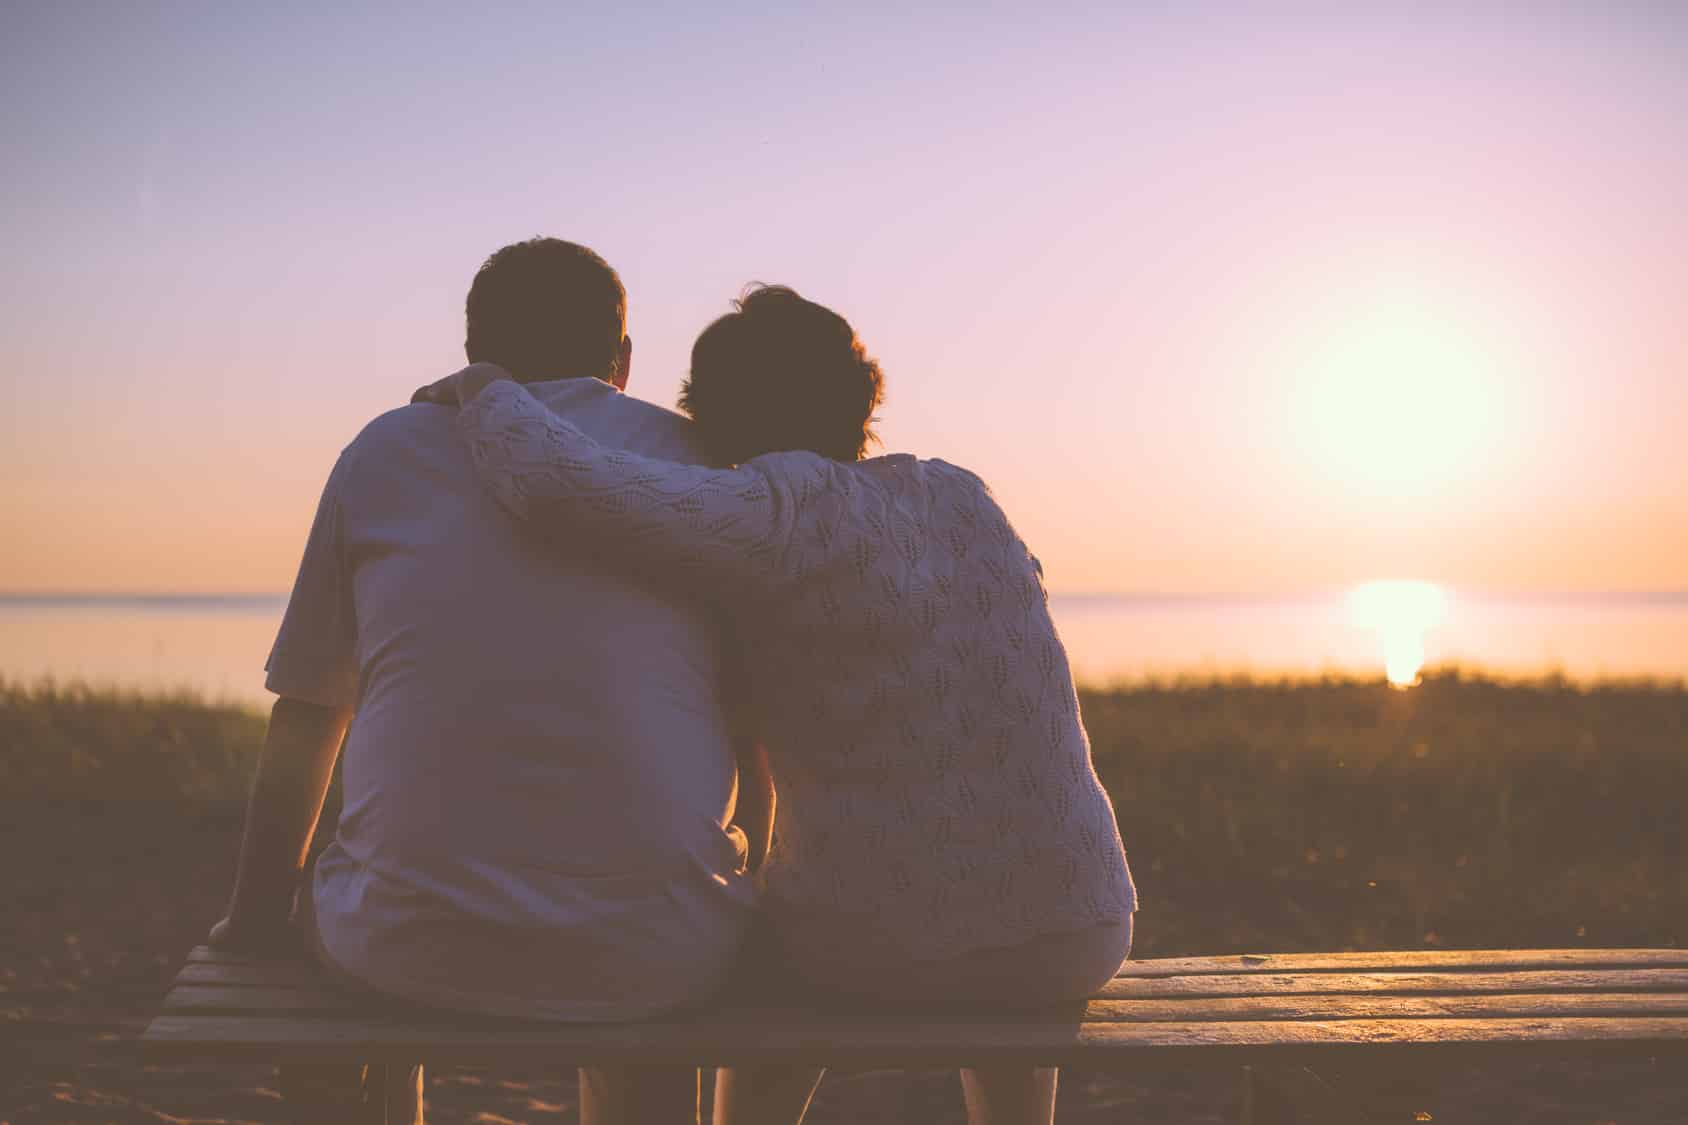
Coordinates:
(1400, 612)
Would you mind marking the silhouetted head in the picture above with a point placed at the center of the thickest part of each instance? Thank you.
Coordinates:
(548, 309)
(782, 373)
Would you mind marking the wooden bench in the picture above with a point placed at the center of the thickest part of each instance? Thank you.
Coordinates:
(1277, 1016)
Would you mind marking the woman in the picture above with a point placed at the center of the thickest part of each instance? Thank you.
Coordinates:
(941, 835)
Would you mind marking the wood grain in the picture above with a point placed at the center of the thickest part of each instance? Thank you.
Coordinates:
(300, 975)
(293, 1001)
(1416, 960)
(1185, 1011)
(1318, 984)
(900, 1044)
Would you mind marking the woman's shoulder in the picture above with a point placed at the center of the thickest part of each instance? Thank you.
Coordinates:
(967, 485)
(820, 484)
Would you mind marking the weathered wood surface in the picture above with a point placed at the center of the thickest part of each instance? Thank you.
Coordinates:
(1414, 960)
(212, 998)
(288, 974)
(1340, 984)
(1274, 1010)
(252, 973)
(898, 1044)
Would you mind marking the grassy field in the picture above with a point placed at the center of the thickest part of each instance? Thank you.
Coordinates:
(82, 744)
(1463, 813)
(1259, 816)
(1329, 814)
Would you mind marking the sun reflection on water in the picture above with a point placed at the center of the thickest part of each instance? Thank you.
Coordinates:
(1401, 612)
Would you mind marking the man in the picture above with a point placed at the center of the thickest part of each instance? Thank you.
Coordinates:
(538, 779)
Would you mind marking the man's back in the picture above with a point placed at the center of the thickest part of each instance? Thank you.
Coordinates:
(539, 773)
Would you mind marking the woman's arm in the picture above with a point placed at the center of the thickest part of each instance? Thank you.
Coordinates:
(728, 528)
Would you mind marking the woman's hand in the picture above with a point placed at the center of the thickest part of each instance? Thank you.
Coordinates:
(462, 387)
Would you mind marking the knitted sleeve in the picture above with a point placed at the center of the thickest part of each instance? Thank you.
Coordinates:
(729, 528)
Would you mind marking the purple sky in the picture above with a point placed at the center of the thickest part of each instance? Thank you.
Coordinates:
(1214, 300)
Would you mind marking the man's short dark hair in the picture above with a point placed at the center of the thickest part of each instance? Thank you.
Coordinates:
(546, 309)
(782, 373)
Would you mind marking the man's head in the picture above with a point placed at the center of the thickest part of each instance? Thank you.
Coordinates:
(549, 309)
(782, 373)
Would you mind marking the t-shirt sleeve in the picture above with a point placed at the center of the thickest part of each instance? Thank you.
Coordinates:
(727, 529)
(315, 653)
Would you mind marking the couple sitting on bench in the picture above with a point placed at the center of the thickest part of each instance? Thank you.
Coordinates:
(575, 643)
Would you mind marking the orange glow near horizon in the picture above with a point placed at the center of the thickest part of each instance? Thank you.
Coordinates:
(1401, 613)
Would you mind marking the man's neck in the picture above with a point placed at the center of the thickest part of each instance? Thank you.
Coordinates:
(555, 378)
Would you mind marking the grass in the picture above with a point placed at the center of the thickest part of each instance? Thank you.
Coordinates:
(1330, 814)
(1465, 812)
(76, 743)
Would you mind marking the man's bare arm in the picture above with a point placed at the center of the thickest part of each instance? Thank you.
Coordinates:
(300, 749)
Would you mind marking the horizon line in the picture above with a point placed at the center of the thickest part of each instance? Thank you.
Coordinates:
(1213, 597)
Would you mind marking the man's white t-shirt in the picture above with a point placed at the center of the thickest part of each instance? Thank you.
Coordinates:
(539, 775)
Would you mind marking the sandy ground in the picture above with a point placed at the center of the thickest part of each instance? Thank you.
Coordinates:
(101, 906)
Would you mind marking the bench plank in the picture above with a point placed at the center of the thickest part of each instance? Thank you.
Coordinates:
(293, 1001)
(1331, 1008)
(1416, 960)
(891, 1044)
(261, 998)
(1271, 1010)
(1318, 984)
(303, 975)
(282, 974)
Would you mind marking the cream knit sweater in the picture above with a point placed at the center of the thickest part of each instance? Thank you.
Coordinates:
(936, 794)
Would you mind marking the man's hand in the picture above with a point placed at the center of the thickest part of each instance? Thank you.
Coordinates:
(300, 747)
(462, 387)
(231, 936)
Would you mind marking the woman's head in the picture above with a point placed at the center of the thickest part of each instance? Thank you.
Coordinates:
(782, 373)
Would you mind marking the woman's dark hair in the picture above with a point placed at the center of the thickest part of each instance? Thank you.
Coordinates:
(781, 373)
(546, 309)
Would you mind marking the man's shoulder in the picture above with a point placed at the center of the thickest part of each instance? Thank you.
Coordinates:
(609, 416)
(648, 412)
(404, 423)
(409, 429)
(622, 421)
(400, 441)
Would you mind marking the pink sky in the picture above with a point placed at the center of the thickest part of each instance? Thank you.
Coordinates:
(1214, 301)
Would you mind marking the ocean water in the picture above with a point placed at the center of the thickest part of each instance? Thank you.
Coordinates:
(1581, 637)
(217, 644)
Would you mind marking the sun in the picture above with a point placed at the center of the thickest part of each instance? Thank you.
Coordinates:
(1395, 396)
(1401, 612)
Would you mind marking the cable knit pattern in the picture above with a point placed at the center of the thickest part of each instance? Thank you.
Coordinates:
(936, 794)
